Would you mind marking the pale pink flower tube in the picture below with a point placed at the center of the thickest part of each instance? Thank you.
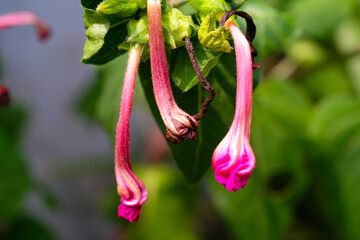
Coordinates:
(25, 18)
(131, 189)
(233, 159)
(180, 125)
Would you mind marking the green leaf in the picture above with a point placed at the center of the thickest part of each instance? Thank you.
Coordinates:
(335, 120)
(102, 41)
(205, 7)
(334, 131)
(273, 28)
(307, 53)
(90, 4)
(326, 81)
(122, 8)
(193, 157)
(347, 173)
(234, 4)
(211, 38)
(315, 21)
(182, 72)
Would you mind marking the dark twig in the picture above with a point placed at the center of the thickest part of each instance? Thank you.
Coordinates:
(204, 83)
(250, 27)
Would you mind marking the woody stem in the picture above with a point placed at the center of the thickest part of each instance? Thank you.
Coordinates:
(204, 83)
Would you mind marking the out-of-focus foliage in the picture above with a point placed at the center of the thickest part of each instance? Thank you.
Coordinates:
(15, 181)
(12, 166)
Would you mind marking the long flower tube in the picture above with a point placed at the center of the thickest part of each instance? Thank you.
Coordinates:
(25, 18)
(131, 189)
(179, 125)
(233, 159)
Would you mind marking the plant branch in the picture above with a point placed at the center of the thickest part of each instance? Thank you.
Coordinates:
(204, 83)
(250, 27)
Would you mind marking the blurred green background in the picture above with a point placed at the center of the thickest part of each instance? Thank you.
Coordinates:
(305, 135)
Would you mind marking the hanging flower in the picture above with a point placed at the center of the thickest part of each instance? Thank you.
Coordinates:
(131, 189)
(180, 125)
(233, 159)
(25, 18)
(4, 96)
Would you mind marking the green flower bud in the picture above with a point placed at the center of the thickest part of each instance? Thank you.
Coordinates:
(138, 31)
(205, 7)
(142, 3)
(176, 26)
(215, 40)
(120, 8)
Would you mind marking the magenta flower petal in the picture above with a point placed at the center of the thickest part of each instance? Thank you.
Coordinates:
(130, 213)
(131, 189)
(179, 125)
(233, 159)
(25, 18)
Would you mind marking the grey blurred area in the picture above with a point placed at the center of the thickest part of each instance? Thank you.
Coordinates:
(47, 78)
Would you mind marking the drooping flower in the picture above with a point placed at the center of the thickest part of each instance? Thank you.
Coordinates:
(131, 189)
(233, 159)
(25, 18)
(4, 96)
(179, 125)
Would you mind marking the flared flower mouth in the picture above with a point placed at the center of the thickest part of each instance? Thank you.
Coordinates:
(25, 18)
(233, 159)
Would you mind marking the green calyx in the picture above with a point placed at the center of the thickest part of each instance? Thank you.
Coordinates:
(176, 26)
(138, 31)
(206, 7)
(120, 8)
(215, 40)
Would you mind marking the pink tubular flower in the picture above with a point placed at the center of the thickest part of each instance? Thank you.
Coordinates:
(180, 126)
(4, 96)
(131, 189)
(233, 159)
(25, 18)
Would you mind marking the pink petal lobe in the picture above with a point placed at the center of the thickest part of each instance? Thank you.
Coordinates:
(130, 213)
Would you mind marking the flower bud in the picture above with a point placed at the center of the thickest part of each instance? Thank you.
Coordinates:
(123, 8)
